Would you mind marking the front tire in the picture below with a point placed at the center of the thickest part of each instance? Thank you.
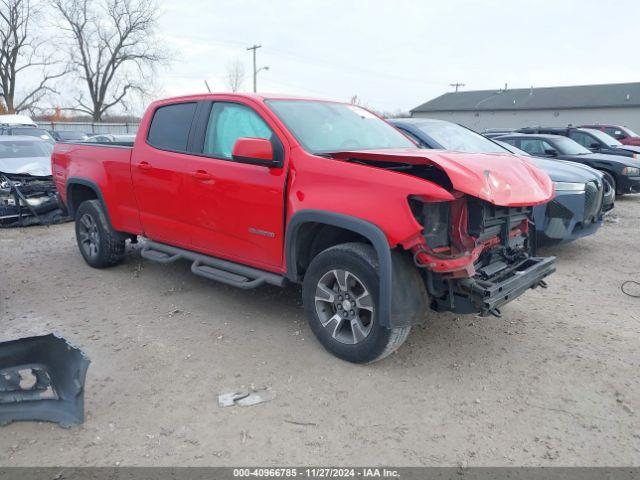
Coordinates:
(99, 244)
(612, 182)
(340, 294)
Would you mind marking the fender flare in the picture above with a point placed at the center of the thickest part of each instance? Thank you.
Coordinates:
(368, 230)
(93, 186)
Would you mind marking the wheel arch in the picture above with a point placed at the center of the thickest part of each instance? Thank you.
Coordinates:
(82, 189)
(296, 245)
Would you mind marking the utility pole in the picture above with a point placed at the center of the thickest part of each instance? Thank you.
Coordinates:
(255, 70)
(457, 85)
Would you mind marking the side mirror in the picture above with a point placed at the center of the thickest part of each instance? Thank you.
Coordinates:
(551, 152)
(254, 151)
(594, 146)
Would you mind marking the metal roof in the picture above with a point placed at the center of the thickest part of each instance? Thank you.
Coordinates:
(547, 98)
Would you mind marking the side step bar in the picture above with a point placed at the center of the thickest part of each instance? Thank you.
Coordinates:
(213, 268)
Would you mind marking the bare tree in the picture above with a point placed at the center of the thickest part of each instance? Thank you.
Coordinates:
(22, 49)
(235, 75)
(113, 49)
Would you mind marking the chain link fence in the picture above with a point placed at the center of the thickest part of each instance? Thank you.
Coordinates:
(91, 127)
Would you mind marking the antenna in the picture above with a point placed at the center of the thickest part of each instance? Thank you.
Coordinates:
(207, 84)
(457, 85)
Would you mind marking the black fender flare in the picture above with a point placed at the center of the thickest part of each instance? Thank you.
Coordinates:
(367, 229)
(93, 186)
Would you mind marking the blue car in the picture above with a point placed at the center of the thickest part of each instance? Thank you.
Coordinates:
(582, 195)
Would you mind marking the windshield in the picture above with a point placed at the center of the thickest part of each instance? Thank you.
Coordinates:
(451, 136)
(325, 127)
(566, 146)
(25, 149)
(630, 132)
(605, 138)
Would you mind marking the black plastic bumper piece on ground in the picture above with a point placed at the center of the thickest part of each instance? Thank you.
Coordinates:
(42, 379)
(491, 295)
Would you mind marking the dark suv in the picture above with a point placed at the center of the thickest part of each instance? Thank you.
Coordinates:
(594, 140)
(622, 173)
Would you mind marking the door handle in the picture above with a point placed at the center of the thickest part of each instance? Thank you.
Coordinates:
(202, 175)
(144, 166)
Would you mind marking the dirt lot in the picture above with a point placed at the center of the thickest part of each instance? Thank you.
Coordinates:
(554, 382)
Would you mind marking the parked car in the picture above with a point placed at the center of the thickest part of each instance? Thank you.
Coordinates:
(578, 207)
(27, 191)
(17, 120)
(623, 174)
(124, 140)
(68, 136)
(266, 189)
(26, 131)
(623, 134)
(497, 132)
(593, 140)
(609, 197)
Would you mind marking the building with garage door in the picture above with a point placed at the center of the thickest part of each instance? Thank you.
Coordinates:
(617, 104)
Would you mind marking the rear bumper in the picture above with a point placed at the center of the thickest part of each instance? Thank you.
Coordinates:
(489, 295)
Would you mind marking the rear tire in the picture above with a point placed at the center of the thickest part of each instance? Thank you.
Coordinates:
(99, 244)
(340, 294)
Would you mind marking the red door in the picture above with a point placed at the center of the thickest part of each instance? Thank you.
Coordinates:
(161, 175)
(236, 210)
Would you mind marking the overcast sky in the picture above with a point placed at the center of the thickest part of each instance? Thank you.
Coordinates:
(399, 54)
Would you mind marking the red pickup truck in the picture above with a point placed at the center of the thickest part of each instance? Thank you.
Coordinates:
(270, 189)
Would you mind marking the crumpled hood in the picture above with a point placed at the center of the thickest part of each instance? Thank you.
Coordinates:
(499, 178)
(36, 166)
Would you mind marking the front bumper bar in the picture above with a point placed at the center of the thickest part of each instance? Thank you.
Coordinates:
(489, 295)
(42, 379)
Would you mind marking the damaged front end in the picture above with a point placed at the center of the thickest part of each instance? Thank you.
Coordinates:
(42, 379)
(476, 256)
(29, 200)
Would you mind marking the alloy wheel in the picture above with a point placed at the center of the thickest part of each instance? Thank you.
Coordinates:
(89, 235)
(344, 306)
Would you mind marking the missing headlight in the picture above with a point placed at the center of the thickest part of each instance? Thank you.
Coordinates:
(435, 217)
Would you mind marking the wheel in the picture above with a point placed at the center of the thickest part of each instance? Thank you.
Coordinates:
(611, 181)
(99, 244)
(340, 296)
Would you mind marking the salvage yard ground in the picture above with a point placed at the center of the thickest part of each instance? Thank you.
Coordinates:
(554, 382)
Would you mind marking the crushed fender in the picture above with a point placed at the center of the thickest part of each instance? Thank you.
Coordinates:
(42, 379)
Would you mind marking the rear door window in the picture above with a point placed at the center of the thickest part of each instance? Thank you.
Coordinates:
(170, 127)
(582, 138)
(534, 146)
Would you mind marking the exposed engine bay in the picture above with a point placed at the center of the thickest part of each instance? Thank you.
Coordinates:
(474, 255)
(28, 200)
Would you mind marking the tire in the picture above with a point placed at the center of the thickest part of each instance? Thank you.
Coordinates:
(99, 244)
(611, 181)
(354, 335)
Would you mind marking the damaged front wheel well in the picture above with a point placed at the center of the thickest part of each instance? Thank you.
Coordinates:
(314, 238)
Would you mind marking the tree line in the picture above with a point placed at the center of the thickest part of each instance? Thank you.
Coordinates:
(95, 52)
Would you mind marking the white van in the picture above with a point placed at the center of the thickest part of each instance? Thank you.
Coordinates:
(17, 120)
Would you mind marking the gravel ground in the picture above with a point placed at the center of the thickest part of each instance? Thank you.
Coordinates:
(554, 382)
